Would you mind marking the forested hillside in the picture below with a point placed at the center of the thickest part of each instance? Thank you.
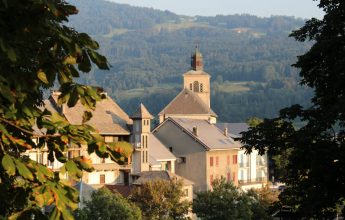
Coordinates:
(249, 58)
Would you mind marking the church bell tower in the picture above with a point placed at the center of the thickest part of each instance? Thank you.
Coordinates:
(196, 79)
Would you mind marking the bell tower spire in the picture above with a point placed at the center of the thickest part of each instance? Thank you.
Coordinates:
(196, 60)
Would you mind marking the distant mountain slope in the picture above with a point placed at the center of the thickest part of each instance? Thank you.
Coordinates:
(101, 17)
(150, 49)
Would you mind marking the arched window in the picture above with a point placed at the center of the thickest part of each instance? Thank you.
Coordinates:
(201, 87)
(196, 86)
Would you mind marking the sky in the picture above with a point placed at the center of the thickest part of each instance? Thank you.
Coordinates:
(261, 8)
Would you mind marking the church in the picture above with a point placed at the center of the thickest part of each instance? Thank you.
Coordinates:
(187, 144)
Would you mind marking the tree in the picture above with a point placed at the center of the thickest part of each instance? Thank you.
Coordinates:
(38, 51)
(161, 199)
(315, 175)
(226, 201)
(106, 205)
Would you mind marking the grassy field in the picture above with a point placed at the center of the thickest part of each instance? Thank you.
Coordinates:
(231, 87)
(228, 87)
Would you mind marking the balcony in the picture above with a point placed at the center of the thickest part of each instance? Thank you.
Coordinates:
(261, 163)
(243, 165)
(258, 180)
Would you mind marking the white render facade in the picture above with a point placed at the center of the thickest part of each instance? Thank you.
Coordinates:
(252, 170)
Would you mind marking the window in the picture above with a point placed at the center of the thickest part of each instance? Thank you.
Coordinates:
(191, 86)
(201, 87)
(217, 161)
(228, 177)
(196, 86)
(211, 161)
(228, 160)
(234, 177)
(108, 139)
(102, 179)
(145, 141)
(234, 159)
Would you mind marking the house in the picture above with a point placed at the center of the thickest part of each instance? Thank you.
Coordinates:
(252, 168)
(204, 152)
(111, 122)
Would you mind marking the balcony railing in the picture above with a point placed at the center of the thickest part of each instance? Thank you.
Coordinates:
(257, 180)
(242, 165)
(261, 163)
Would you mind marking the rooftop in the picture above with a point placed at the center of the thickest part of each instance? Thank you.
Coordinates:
(141, 112)
(209, 135)
(147, 176)
(187, 103)
(107, 118)
(158, 150)
(234, 129)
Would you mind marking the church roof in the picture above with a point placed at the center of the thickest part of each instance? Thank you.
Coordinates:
(107, 118)
(141, 112)
(187, 103)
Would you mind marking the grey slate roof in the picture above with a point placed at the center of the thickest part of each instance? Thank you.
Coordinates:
(209, 135)
(187, 103)
(108, 117)
(234, 129)
(147, 176)
(141, 112)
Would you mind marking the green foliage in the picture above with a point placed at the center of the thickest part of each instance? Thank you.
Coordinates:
(226, 201)
(253, 121)
(38, 51)
(161, 199)
(106, 205)
(315, 152)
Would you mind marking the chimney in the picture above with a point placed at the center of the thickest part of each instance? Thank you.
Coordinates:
(225, 131)
(195, 130)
